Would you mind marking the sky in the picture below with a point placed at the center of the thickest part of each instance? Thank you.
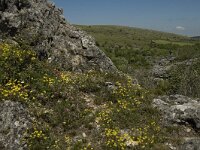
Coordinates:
(175, 16)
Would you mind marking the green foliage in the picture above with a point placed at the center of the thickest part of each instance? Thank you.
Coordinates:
(185, 79)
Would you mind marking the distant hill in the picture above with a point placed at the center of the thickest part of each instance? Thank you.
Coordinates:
(128, 36)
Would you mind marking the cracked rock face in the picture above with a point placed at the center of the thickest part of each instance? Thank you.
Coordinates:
(43, 27)
(14, 120)
(179, 109)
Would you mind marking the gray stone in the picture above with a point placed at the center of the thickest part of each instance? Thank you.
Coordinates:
(14, 120)
(110, 86)
(179, 109)
(190, 144)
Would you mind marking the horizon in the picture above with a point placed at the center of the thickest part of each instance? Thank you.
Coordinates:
(177, 16)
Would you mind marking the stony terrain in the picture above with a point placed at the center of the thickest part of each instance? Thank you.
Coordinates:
(58, 90)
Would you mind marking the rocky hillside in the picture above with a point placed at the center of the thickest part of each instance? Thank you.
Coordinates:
(42, 26)
(59, 91)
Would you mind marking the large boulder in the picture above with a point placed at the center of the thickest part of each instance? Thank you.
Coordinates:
(184, 112)
(179, 109)
(42, 26)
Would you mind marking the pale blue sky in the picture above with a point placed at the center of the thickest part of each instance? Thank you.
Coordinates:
(177, 16)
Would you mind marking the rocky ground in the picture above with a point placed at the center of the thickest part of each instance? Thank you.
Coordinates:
(39, 25)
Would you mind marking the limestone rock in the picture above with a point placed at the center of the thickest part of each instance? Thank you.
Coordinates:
(190, 144)
(179, 109)
(14, 120)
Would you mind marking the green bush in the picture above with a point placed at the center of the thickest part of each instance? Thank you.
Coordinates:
(185, 80)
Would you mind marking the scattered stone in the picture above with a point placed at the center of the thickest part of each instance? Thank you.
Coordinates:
(110, 86)
(162, 67)
(188, 130)
(171, 147)
(84, 135)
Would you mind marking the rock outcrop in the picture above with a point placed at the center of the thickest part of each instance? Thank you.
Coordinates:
(14, 120)
(184, 112)
(42, 26)
(179, 109)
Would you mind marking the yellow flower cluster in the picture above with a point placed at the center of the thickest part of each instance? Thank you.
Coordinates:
(56, 144)
(66, 77)
(48, 80)
(122, 91)
(16, 89)
(104, 117)
(68, 140)
(38, 135)
(128, 94)
(123, 104)
(128, 98)
(117, 140)
(8, 50)
(5, 49)
(143, 135)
